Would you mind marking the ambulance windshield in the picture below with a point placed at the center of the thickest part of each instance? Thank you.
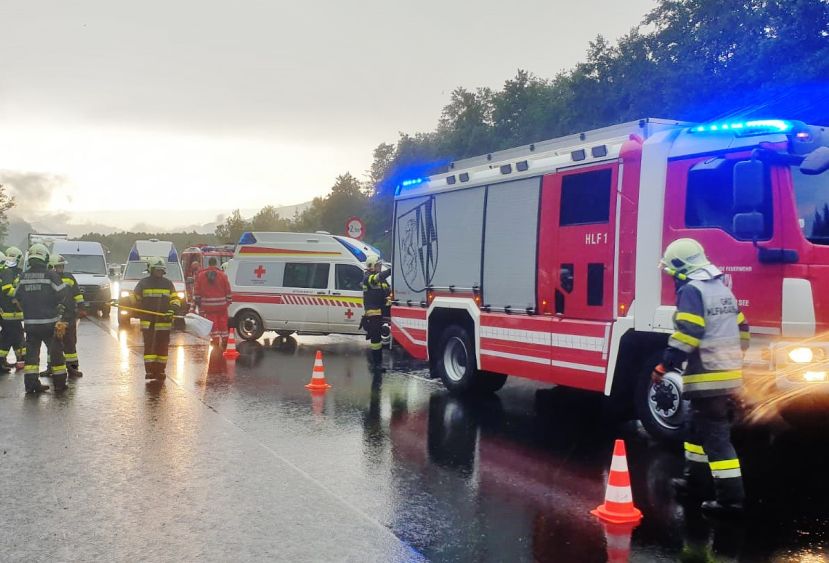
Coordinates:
(812, 196)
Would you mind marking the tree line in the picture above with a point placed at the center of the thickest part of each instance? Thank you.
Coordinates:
(692, 60)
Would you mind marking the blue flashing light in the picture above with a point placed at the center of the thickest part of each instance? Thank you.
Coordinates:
(753, 127)
(247, 238)
(408, 184)
(133, 257)
(173, 256)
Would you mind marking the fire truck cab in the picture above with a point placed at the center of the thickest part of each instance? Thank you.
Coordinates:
(541, 261)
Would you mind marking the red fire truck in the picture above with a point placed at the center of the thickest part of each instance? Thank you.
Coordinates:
(201, 254)
(541, 261)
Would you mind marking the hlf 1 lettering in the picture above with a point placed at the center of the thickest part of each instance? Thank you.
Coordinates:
(595, 238)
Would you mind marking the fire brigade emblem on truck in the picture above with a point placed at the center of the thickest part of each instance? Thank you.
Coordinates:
(418, 236)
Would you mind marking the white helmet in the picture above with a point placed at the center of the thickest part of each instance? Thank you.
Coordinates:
(372, 261)
(684, 256)
(156, 263)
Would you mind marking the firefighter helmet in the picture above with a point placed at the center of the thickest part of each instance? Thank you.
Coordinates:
(372, 261)
(156, 263)
(13, 255)
(57, 260)
(39, 252)
(684, 256)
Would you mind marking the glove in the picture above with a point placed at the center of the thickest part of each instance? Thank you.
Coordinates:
(658, 373)
(362, 324)
(60, 329)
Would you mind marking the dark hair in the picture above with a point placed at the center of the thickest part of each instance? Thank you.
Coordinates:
(213, 261)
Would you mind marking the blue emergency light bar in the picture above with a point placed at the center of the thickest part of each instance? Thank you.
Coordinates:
(408, 183)
(742, 128)
(247, 238)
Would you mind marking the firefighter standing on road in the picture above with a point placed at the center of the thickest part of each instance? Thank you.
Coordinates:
(212, 296)
(375, 295)
(156, 295)
(711, 334)
(41, 295)
(12, 337)
(73, 301)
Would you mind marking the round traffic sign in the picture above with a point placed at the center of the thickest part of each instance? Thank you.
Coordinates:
(355, 228)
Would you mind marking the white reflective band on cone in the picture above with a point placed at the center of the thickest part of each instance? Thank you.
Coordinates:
(618, 494)
(619, 463)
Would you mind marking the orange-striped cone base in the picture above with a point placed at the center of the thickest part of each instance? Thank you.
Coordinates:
(318, 382)
(231, 353)
(618, 500)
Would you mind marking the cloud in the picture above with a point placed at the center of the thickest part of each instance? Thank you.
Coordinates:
(32, 191)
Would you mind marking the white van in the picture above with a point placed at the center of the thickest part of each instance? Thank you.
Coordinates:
(86, 260)
(136, 269)
(309, 283)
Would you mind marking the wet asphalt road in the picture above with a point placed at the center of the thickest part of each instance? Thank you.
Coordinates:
(239, 461)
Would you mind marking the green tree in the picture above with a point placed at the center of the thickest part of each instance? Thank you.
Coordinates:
(267, 219)
(6, 203)
(234, 226)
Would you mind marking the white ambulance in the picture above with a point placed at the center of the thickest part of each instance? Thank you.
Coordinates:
(309, 283)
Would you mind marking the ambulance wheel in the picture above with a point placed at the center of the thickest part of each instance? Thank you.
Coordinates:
(455, 361)
(249, 325)
(661, 408)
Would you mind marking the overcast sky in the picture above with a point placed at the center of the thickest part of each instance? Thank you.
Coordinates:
(113, 105)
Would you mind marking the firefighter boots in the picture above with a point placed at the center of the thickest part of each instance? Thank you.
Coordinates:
(74, 372)
(33, 384)
(60, 381)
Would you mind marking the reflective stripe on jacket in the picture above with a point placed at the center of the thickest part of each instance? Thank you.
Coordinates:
(375, 291)
(712, 331)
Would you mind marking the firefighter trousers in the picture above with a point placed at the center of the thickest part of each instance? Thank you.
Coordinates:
(709, 453)
(156, 346)
(12, 338)
(374, 325)
(43, 334)
(70, 343)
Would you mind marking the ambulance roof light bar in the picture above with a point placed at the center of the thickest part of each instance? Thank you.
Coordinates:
(408, 183)
(746, 128)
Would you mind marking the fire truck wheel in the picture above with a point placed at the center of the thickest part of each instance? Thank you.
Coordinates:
(489, 382)
(249, 325)
(456, 361)
(661, 408)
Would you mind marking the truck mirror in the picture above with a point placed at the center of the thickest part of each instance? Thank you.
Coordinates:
(749, 183)
(817, 162)
(749, 226)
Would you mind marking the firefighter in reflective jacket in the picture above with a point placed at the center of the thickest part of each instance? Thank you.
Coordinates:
(375, 295)
(711, 335)
(157, 297)
(12, 337)
(41, 294)
(73, 301)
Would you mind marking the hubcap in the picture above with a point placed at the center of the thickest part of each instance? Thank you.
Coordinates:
(248, 327)
(455, 359)
(665, 402)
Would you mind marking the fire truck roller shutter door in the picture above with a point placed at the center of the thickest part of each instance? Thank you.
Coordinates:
(510, 242)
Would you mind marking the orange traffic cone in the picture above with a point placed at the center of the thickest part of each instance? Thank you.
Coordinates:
(618, 500)
(318, 382)
(231, 353)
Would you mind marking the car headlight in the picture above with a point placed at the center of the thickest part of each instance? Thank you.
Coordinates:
(801, 355)
(125, 294)
(180, 294)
